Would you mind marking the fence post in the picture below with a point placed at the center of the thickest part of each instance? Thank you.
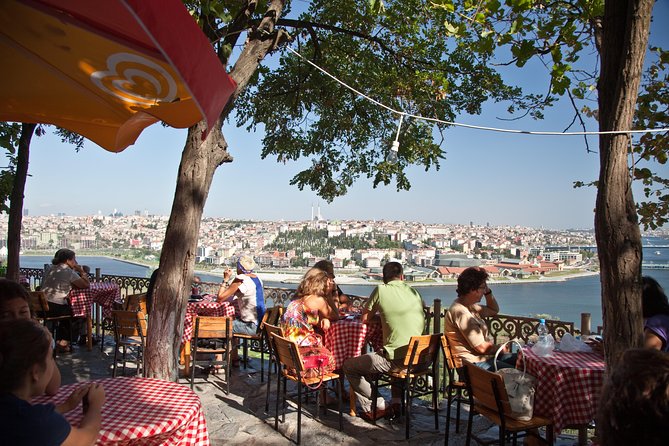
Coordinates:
(437, 316)
(585, 324)
(436, 325)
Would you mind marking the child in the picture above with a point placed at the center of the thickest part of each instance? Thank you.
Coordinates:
(26, 367)
(14, 304)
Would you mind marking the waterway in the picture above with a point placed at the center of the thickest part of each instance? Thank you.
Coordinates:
(561, 300)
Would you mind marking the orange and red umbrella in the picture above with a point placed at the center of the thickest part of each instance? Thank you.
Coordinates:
(107, 69)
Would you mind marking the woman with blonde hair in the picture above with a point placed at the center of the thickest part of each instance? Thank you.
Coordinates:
(310, 309)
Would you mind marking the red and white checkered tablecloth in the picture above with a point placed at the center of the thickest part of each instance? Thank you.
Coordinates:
(568, 385)
(143, 411)
(203, 308)
(102, 293)
(347, 338)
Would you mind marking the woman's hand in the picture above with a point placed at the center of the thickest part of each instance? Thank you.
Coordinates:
(324, 324)
(73, 400)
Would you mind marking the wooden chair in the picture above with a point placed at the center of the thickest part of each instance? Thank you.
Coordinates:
(132, 302)
(129, 334)
(419, 378)
(454, 388)
(269, 330)
(489, 398)
(216, 332)
(135, 302)
(292, 368)
(39, 306)
(258, 339)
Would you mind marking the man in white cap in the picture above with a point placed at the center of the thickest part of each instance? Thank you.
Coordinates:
(246, 293)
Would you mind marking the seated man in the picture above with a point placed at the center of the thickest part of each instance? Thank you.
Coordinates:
(401, 311)
(465, 328)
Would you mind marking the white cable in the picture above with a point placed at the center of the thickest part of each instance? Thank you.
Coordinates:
(470, 126)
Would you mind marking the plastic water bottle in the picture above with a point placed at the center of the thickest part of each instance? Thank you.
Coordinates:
(542, 331)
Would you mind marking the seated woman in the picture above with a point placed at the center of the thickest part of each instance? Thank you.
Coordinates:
(26, 366)
(309, 310)
(465, 328)
(655, 312)
(15, 304)
(247, 294)
(61, 278)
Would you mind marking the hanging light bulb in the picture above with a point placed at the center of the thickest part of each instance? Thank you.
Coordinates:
(391, 156)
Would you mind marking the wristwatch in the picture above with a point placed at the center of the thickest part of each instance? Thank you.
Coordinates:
(488, 293)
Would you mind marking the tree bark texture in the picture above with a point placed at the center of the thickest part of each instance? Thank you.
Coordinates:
(16, 202)
(624, 41)
(199, 161)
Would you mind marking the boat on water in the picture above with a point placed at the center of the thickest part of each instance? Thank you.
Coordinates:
(657, 253)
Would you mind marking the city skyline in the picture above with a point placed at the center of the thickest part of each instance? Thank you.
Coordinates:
(495, 178)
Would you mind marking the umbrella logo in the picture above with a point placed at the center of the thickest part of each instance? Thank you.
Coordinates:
(136, 79)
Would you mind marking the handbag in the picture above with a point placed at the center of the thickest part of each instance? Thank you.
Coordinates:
(520, 388)
(317, 360)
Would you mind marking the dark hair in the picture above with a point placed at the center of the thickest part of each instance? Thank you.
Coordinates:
(10, 290)
(325, 265)
(471, 279)
(23, 343)
(392, 270)
(634, 406)
(653, 299)
(62, 256)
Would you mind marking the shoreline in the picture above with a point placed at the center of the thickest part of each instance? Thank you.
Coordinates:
(294, 277)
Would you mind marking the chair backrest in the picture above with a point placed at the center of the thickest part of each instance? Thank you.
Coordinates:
(39, 304)
(450, 358)
(487, 388)
(287, 353)
(135, 302)
(129, 323)
(271, 329)
(272, 316)
(423, 351)
(207, 327)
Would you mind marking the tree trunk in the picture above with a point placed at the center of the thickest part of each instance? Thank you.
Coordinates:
(199, 161)
(16, 202)
(624, 40)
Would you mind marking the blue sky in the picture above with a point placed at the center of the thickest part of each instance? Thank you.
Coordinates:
(494, 178)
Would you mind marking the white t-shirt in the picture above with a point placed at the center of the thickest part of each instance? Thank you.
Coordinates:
(246, 295)
(58, 283)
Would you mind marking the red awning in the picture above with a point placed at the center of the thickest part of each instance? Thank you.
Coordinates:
(108, 69)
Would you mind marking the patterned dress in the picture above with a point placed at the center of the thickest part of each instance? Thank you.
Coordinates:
(298, 324)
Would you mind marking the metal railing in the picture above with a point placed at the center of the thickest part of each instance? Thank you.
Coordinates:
(502, 326)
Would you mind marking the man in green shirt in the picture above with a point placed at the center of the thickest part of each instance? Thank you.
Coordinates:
(401, 310)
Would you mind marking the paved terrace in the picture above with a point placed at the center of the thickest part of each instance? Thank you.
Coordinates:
(239, 418)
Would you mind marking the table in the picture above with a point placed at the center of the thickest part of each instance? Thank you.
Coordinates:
(347, 338)
(205, 307)
(82, 299)
(143, 411)
(568, 385)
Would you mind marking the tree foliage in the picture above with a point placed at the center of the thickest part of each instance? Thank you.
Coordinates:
(399, 55)
(564, 36)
